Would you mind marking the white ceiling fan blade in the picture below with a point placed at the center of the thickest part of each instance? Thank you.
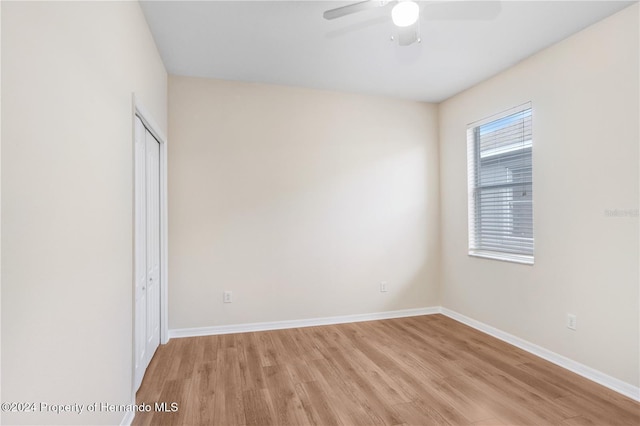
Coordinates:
(339, 12)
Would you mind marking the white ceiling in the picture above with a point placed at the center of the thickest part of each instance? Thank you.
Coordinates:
(289, 42)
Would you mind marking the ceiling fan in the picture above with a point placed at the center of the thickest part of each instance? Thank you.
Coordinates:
(405, 14)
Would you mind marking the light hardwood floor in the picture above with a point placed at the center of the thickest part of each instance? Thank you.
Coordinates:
(415, 371)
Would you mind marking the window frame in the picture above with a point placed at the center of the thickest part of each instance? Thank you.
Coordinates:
(475, 248)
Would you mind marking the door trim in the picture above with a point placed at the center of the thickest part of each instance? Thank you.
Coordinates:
(147, 119)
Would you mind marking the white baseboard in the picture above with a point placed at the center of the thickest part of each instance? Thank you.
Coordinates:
(592, 374)
(279, 325)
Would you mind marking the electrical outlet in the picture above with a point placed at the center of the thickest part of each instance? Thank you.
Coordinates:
(227, 297)
(383, 286)
(571, 321)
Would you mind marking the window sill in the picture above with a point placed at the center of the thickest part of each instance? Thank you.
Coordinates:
(505, 257)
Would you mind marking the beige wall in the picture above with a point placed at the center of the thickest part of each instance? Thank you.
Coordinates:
(67, 186)
(298, 201)
(586, 130)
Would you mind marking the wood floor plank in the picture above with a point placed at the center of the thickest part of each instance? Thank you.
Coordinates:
(573, 384)
(287, 406)
(228, 408)
(474, 407)
(258, 410)
(413, 413)
(299, 371)
(173, 392)
(317, 404)
(302, 336)
(249, 362)
(598, 411)
(188, 358)
(346, 404)
(501, 407)
(407, 371)
(490, 422)
(445, 410)
(268, 352)
(202, 394)
(578, 421)
(509, 390)
(345, 364)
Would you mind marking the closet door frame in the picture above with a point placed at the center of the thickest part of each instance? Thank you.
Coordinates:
(151, 125)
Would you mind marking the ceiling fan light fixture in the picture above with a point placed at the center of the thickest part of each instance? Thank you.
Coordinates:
(405, 13)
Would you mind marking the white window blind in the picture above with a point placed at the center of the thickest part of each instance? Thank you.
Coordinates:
(500, 177)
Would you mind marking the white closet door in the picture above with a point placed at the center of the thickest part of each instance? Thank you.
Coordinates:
(147, 248)
(153, 244)
(140, 253)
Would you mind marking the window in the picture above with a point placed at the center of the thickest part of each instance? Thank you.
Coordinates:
(500, 176)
